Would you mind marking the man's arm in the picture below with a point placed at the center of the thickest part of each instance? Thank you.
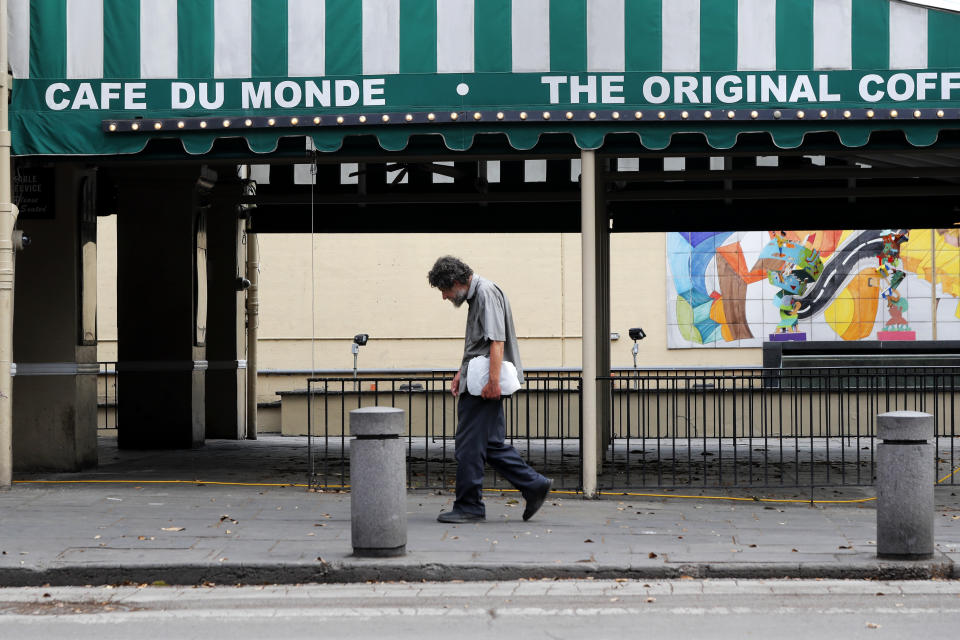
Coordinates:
(491, 391)
(455, 385)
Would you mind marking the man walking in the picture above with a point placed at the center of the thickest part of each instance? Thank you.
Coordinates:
(481, 428)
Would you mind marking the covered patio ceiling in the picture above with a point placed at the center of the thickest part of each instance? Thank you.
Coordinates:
(689, 186)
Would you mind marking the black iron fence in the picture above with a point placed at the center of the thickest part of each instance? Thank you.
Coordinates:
(764, 428)
(698, 429)
(107, 403)
(542, 422)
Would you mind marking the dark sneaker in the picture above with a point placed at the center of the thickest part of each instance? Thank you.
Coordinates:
(535, 501)
(459, 517)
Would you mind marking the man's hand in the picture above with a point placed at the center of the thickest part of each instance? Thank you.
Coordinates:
(491, 390)
(455, 385)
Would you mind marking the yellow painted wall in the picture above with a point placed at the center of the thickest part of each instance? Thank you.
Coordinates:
(376, 284)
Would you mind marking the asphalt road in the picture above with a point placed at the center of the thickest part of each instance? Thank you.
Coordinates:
(551, 609)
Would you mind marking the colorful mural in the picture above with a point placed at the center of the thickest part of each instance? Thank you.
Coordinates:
(738, 289)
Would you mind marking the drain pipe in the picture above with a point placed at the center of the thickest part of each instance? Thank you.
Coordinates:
(253, 319)
(588, 257)
(8, 219)
(253, 316)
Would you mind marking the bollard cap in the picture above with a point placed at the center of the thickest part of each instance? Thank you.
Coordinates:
(376, 421)
(911, 426)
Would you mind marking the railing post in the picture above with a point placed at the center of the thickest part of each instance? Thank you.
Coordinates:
(905, 482)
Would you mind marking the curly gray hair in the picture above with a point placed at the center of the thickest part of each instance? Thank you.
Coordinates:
(448, 270)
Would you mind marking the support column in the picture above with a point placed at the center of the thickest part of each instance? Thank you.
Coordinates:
(226, 379)
(162, 306)
(8, 218)
(588, 251)
(54, 340)
(595, 233)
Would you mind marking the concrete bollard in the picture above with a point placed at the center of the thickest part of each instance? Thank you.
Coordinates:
(905, 481)
(378, 491)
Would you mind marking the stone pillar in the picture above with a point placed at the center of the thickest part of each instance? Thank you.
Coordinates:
(54, 337)
(378, 491)
(162, 306)
(226, 380)
(905, 479)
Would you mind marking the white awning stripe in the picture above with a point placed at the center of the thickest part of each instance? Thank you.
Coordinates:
(232, 48)
(455, 36)
(681, 35)
(158, 38)
(381, 37)
(306, 38)
(530, 36)
(832, 34)
(18, 13)
(84, 38)
(605, 35)
(908, 37)
(756, 35)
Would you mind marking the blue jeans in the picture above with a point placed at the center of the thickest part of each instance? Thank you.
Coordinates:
(481, 430)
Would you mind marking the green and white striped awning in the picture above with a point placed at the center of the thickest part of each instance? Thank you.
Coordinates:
(104, 76)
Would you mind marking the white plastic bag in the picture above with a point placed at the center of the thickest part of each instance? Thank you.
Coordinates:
(478, 375)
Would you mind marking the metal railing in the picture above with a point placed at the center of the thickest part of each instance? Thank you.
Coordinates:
(107, 398)
(542, 422)
(669, 428)
(765, 428)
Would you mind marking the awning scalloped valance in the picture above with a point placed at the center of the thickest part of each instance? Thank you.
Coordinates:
(157, 68)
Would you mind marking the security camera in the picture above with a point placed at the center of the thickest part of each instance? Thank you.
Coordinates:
(637, 333)
(361, 339)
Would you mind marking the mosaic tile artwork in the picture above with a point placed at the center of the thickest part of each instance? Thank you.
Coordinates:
(739, 289)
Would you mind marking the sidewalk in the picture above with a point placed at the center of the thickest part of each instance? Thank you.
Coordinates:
(77, 534)
(143, 531)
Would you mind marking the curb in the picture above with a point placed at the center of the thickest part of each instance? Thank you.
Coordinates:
(940, 567)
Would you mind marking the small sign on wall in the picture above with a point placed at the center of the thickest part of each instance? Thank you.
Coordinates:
(34, 192)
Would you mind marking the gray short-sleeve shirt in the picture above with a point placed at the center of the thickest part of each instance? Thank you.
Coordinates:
(489, 319)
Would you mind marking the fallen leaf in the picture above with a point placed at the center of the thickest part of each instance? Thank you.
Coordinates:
(651, 555)
(793, 551)
(588, 540)
(872, 625)
(141, 537)
(753, 546)
(169, 529)
(651, 599)
(843, 547)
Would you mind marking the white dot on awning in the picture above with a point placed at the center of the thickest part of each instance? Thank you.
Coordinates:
(463, 88)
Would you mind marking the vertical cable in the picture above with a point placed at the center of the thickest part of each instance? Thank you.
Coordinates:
(313, 275)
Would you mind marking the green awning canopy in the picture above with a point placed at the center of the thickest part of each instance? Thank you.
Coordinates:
(99, 77)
